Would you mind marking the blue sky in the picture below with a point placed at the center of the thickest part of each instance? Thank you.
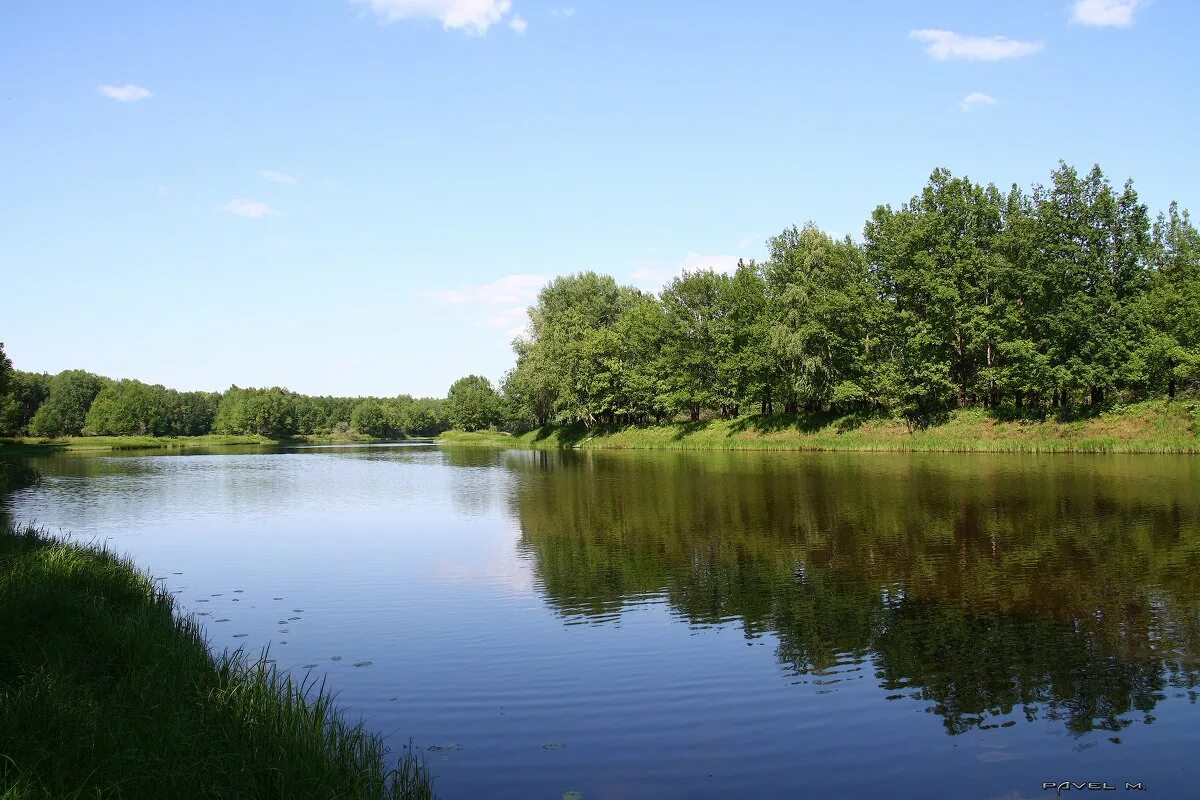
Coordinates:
(361, 197)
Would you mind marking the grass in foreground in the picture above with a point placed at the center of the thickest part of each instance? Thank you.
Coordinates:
(1148, 427)
(105, 692)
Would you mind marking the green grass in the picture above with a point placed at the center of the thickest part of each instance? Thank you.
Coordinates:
(28, 444)
(1148, 427)
(106, 692)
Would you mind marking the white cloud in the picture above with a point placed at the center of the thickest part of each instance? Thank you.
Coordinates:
(976, 99)
(518, 24)
(745, 242)
(472, 16)
(514, 292)
(1105, 13)
(944, 45)
(652, 277)
(562, 12)
(277, 177)
(129, 93)
(512, 320)
(510, 290)
(252, 209)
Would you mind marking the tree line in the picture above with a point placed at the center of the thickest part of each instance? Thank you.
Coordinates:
(1064, 296)
(79, 403)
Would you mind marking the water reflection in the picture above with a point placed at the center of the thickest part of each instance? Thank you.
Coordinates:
(992, 590)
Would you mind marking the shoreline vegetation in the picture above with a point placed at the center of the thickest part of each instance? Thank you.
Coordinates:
(34, 444)
(107, 691)
(968, 318)
(1148, 427)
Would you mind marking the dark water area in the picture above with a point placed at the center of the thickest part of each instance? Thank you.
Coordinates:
(681, 625)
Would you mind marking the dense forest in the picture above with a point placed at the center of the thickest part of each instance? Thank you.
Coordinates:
(1065, 297)
(75, 403)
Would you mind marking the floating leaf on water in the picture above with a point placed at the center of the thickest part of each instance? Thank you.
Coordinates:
(283, 630)
(238, 591)
(284, 641)
(309, 666)
(202, 600)
(440, 747)
(223, 620)
(176, 573)
(218, 594)
(297, 610)
(554, 746)
(292, 619)
(572, 795)
(202, 614)
(363, 663)
(240, 635)
(236, 600)
(336, 658)
(282, 622)
(276, 598)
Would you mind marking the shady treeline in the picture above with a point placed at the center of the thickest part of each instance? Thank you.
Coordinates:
(1066, 296)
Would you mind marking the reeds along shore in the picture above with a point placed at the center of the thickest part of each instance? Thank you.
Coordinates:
(106, 691)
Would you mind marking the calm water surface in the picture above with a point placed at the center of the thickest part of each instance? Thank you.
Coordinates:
(671, 625)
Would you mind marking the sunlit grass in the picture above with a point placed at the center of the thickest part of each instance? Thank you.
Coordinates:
(1148, 427)
(105, 691)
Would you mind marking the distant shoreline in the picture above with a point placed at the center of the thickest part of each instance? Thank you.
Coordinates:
(1149, 427)
(82, 443)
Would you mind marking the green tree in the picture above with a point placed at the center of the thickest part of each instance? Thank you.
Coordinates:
(936, 263)
(1170, 309)
(66, 406)
(26, 393)
(370, 418)
(472, 404)
(5, 370)
(698, 346)
(820, 298)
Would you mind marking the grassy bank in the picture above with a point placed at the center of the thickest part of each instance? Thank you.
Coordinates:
(105, 692)
(1150, 427)
(76, 443)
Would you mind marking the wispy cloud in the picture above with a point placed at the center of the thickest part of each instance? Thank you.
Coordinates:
(653, 277)
(1106, 13)
(745, 242)
(509, 290)
(502, 303)
(251, 209)
(975, 99)
(518, 24)
(945, 45)
(562, 12)
(277, 177)
(472, 16)
(129, 93)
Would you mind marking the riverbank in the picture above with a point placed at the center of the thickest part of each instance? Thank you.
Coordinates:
(1149, 427)
(76, 443)
(106, 692)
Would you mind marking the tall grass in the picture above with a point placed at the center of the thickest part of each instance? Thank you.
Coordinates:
(106, 692)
